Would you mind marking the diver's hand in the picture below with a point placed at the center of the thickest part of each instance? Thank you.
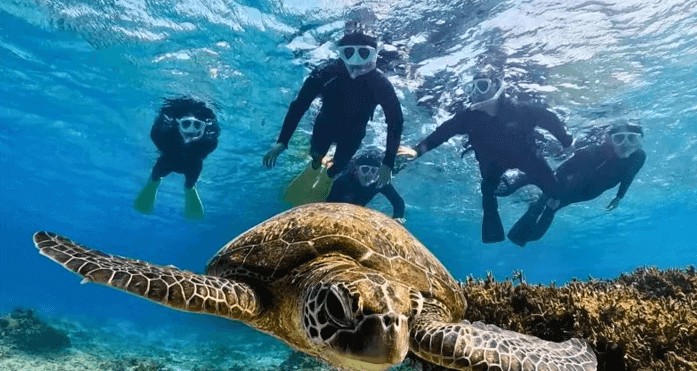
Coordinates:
(613, 204)
(272, 154)
(328, 162)
(568, 151)
(384, 176)
(553, 203)
(407, 152)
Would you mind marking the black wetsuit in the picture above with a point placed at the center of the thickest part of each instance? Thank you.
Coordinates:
(347, 106)
(348, 189)
(505, 141)
(583, 177)
(177, 156)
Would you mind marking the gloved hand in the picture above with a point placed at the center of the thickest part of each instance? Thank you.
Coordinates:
(613, 204)
(272, 154)
(384, 176)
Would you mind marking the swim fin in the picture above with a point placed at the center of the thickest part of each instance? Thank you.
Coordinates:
(193, 208)
(320, 189)
(297, 190)
(145, 201)
(492, 228)
(521, 232)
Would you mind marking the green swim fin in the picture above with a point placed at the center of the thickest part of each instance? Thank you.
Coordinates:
(145, 201)
(320, 189)
(298, 189)
(193, 208)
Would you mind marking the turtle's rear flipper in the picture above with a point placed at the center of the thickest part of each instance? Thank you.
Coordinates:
(486, 347)
(168, 285)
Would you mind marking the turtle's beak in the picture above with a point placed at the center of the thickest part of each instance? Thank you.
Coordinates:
(380, 339)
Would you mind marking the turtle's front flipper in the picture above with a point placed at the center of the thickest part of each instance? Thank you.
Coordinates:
(477, 346)
(168, 286)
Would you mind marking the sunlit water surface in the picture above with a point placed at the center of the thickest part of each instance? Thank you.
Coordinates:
(81, 83)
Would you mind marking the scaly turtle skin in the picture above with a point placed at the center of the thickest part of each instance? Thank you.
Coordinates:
(340, 282)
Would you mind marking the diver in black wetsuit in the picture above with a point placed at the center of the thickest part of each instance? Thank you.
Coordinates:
(350, 88)
(185, 132)
(584, 176)
(502, 135)
(356, 185)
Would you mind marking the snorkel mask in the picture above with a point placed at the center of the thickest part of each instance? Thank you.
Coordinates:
(481, 94)
(625, 139)
(191, 128)
(359, 52)
(367, 175)
(366, 167)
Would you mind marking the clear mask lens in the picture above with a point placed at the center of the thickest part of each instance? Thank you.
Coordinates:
(191, 124)
(357, 55)
(480, 85)
(368, 174)
(367, 170)
(632, 139)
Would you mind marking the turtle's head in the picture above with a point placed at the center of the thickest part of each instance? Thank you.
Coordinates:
(360, 322)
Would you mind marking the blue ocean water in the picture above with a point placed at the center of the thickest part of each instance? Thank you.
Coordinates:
(81, 83)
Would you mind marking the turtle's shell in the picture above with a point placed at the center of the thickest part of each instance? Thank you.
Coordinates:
(272, 249)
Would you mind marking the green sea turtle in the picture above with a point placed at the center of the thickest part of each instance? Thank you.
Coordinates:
(340, 282)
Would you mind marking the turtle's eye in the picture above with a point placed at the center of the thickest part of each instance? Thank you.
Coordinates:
(335, 307)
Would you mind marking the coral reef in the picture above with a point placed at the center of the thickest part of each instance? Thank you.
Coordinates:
(23, 331)
(646, 320)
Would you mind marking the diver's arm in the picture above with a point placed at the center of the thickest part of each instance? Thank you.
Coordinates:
(395, 199)
(209, 142)
(164, 134)
(448, 129)
(309, 91)
(637, 164)
(549, 121)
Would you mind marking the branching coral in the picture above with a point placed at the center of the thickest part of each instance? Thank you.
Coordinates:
(646, 320)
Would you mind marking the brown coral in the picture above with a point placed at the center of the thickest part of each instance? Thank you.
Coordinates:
(646, 320)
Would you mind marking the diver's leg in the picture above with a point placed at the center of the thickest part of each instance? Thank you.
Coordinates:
(345, 149)
(298, 191)
(193, 207)
(145, 201)
(492, 228)
(322, 138)
(544, 221)
(541, 174)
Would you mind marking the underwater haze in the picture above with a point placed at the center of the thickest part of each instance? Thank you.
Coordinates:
(82, 82)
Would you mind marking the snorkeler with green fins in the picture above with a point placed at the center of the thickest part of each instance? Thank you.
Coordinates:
(350, 88)
(185, 132)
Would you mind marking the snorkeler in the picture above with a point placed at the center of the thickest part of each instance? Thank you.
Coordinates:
(584, 176)
(350, 88)
(185, 132)
(357, 184)
(502, 135)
